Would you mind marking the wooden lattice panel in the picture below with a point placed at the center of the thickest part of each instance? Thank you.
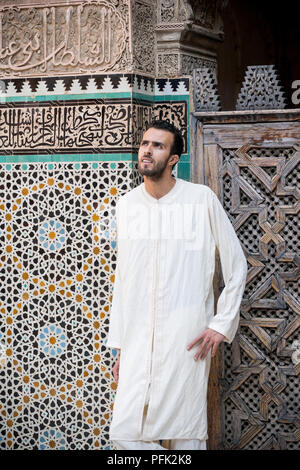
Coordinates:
(264, 382)
(258, 183)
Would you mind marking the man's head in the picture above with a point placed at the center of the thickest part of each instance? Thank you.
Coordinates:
(160, 149)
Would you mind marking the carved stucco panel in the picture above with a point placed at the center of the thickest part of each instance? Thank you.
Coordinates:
(205, 12)
(77, 37)
(189, 63)
(168, 64)
(182, 41)
(143, 35)
(174, 11)
(172, 64)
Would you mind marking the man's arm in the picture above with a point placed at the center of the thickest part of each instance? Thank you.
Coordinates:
(224, 324)
(116, 367)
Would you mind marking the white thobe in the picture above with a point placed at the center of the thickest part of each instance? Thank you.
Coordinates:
(162, 300)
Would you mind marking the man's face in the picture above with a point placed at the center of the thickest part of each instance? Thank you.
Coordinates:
(155, 152)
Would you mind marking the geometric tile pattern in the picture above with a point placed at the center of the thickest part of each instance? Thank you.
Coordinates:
(58, 251)
(57, 271)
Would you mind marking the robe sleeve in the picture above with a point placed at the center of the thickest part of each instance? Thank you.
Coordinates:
(234, 270)
(115, 322)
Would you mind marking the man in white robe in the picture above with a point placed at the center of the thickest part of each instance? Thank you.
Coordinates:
(163, 302)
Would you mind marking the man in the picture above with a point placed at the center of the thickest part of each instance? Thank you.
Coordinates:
(162, 316)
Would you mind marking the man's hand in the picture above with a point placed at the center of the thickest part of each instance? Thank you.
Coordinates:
(115, 369)
(209, 339)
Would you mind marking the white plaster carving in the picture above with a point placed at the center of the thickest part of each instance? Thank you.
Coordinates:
(182, 24)
(168, 64)
(190, 62)
(261, 89)
(143, 36)
(205, 90)
(81, 37)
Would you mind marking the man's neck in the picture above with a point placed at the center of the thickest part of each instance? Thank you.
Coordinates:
(159, 188)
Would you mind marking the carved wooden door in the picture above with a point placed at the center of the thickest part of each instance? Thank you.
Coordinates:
(254, 386)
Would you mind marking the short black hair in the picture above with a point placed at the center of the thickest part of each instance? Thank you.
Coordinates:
(177, 147)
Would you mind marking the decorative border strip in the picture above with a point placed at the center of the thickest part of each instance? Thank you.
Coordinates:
(114, 83)
(168, 98)
(89, 126)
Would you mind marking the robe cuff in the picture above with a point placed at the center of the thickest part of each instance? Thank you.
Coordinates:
(113, 344)
(227, 339)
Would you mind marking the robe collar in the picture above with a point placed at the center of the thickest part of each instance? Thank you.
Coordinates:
(169, 196)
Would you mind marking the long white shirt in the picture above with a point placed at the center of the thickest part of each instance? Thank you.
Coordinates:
(163, 299)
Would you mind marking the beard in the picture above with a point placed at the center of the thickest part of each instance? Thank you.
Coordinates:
(156, 171)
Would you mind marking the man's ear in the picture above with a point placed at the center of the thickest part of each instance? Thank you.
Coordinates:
(174, 160)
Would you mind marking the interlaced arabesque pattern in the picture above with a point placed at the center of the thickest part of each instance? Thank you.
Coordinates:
(260, 385)
(58, 255)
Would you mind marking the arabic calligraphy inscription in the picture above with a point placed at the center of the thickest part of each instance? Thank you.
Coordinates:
(91, 126)
(85, 37)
